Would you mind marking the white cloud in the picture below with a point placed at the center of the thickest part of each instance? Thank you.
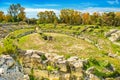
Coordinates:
(113, 2)
(32, 12)
(47, 5)
(99, 9)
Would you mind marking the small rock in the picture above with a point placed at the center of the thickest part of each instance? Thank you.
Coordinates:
(1, 71)
(90, 70)
(29, 52)
(10, 63)
(2, 60)
(93, 77)
(26, 77)
(35, 56)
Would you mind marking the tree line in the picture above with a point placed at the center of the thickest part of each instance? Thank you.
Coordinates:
(16, 13)
(73, 17)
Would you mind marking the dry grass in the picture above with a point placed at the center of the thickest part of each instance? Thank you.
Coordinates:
(61, 44)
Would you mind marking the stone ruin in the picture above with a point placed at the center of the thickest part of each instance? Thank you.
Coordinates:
(10, 70)
(45, 66)
(113, 35)
(63, 69)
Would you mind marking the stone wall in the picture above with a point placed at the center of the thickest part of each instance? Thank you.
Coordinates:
(55, 67)
(46, 66)
(10, 70)
(113, 35)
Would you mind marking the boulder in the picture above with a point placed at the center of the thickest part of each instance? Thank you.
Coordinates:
(90, 70)
(10, 70)
(112, 55)
(93, 77)
(110, 32)
(62, 66)
(76, 64)
(113, 35)
(36, 56)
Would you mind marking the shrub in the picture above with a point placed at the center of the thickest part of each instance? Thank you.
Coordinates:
(1, 49)
(44, 37)
(76, 28)
(9, 46)
(91, 62)
(43, 57)
(67, 56)
(99, 73)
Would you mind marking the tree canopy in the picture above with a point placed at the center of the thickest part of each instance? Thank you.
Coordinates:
(17, 13)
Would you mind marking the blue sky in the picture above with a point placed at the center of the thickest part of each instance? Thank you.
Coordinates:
(35, 6)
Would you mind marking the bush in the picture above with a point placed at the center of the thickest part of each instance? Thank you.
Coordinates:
(9, 46)
(44, 37)
(91, 62)
(43, 57)
(1, 49)
(76, 28)
(67, 56)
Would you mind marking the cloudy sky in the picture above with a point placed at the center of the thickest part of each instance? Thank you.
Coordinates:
(32, 7)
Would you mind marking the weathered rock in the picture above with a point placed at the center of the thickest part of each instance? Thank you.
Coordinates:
(93, 77)
(9, 70)
(112, 55)
(29, 52)
(90, 70)
(113, 35)
(2, 60)
(32, 59)
(76, 64)
(62, 66)
(27, 70)
(26, 77)
(65, 76)
(72, 59)
(90, 74)
(35, 56)
(118, 78)
(62, 69)
(110, 32)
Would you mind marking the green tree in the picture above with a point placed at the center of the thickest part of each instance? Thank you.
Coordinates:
(1, 16)
(108, 18)
(8, 18)
(86, 18)
(15, 10)
(117, 19)
(95, 18)
(21, 16)
(46, 17)
(70, 16)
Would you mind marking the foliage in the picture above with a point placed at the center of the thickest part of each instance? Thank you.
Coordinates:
(17, 12)
(67, 56)
(43, 57)
(70, 16)
(50, 68)
(32, 77)
(2, 49)
(47, 17)
(9, 46)
(1, 16)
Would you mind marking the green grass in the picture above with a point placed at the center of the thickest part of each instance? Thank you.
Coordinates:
(61, 44)
(18, 32)
(1, 49)
(70, 46)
